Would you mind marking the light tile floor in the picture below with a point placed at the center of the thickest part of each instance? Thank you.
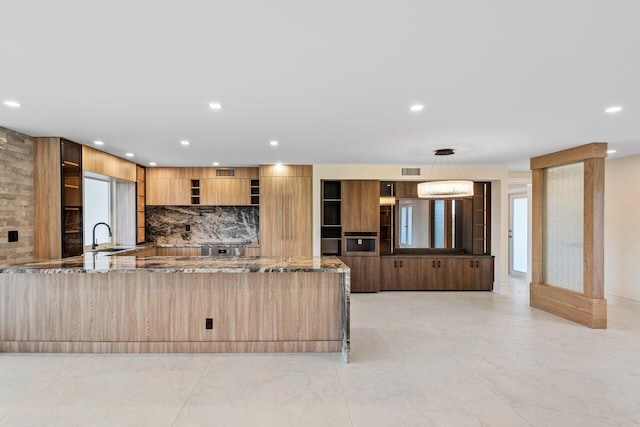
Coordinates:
(450, 359)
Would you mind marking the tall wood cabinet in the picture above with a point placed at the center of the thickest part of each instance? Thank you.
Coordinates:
(58, 218)
(285, 210)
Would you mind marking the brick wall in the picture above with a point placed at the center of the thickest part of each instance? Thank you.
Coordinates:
(16, 195)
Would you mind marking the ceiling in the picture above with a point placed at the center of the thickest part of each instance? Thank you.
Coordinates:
(332, 81)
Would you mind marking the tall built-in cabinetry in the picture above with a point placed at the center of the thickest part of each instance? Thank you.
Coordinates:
(58, 224)
(349, 228)
(285, 210)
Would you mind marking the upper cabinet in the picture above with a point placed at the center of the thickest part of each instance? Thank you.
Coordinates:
(285, 211)
(202, 186)
(106, 164)
(360, 206)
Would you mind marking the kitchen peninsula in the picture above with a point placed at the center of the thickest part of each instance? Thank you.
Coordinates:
(130, 302)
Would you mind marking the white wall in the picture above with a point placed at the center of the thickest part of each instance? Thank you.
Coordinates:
(622, 227)
(498, 175)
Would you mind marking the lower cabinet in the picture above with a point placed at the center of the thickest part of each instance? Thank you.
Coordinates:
(365, 275)
(436, 273)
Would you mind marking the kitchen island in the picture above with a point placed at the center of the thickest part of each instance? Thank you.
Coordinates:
(133, 303)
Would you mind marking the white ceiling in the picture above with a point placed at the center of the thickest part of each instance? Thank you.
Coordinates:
(333, 81)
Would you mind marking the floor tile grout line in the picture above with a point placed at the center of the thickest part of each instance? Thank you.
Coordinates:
(204, 370)
(91, 356)
(344, 398)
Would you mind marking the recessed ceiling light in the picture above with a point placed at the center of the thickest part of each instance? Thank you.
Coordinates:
(278, 165)
(273, 143)
(611, 151)
(184, 142)
(216, 164)
(129, 154)
(215, 106)
(12, 104)
(613, 109)
(152, 163)
(98, 142)
(417, 107)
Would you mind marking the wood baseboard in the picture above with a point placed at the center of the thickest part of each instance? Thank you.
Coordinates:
(171, 347)
(569, 305)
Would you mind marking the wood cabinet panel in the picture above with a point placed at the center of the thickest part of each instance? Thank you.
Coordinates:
(286, 170)
(360, 206)
(225, 192)
(46, 198)
(176, 192)
(430, 273)
(407, 189)
(365, 275)
(106, 164)
(285, 216)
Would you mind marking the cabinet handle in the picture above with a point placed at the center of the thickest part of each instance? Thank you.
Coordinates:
(471, 263)
(477, 264)
(438, 263)
(433, 264)
(400, 264)
(395, 263)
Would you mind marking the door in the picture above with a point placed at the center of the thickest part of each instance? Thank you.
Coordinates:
(518, 235)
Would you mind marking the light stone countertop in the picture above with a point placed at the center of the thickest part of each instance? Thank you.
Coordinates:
(102, 262)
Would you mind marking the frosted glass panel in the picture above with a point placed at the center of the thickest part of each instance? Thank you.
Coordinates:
(519, 234)
(563, 218)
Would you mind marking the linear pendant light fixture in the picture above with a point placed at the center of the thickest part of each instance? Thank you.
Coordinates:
(446, 189)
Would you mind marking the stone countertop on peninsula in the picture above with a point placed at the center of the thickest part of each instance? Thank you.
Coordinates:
(122, 263)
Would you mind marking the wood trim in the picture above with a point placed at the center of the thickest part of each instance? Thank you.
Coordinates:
(594, 228)
(591, 312)
(571, 155)
(47, 215)
(537, 232)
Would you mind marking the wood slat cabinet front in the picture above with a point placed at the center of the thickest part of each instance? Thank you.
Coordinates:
(431, 273)
(360, 205)
(364, 273)
(285, 211)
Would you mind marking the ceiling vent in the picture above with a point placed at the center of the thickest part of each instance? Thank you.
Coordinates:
(410, 171)
(225, 172)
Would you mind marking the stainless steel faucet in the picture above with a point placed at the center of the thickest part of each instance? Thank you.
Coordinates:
(94, 243)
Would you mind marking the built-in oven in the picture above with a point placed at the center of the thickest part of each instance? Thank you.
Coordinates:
(360, 244)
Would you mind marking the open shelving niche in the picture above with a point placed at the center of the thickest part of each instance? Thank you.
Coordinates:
(331, 226)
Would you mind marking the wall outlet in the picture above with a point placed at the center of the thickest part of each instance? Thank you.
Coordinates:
(188, 227)
(208, 323)
(13, 236)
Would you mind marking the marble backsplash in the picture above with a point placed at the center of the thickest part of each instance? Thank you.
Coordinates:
(207, 224)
